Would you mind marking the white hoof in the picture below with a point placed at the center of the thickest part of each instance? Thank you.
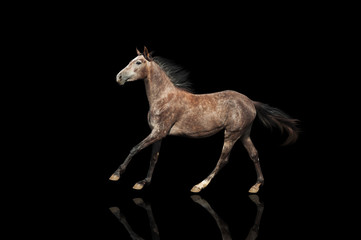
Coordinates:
(114, 178)
(196, 189)
(254, 188)
(138, 186)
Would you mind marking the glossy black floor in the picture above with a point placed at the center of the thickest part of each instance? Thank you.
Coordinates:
(115, 121)
(285, 208)
(272, 61)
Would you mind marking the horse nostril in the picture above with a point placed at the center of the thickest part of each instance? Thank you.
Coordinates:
(118, 78)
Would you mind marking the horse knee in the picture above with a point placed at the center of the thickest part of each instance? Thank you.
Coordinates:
(224, 162)
(254, 157)
(134, 150)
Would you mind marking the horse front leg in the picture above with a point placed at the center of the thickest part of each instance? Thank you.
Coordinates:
(153, 160)
(153, 137)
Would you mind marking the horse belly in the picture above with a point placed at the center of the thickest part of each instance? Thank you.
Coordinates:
(197, 127)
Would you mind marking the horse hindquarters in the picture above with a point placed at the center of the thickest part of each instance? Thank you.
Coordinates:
(242, 113)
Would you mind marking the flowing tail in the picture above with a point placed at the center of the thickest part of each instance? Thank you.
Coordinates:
(273, 117)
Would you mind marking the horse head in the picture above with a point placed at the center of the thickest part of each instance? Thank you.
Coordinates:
(136, 69)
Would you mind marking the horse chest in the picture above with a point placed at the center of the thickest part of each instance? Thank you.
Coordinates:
(160, 119)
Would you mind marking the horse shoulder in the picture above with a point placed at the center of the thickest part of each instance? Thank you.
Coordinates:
(162, 111)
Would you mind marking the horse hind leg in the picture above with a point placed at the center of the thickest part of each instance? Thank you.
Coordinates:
(229, 141)
(253, 154)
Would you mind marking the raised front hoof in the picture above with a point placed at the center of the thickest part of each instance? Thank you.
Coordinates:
(139, 185)
(114, 177)
(255, 188)
(196, 189)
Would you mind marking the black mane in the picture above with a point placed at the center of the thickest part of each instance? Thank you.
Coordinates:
(178, 75)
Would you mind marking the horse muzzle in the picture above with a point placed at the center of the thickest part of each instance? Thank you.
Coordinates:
(121, 80)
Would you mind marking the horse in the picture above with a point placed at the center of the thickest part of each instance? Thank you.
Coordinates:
(175, 110)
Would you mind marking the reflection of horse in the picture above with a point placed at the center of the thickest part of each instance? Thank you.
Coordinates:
(223, 227)
(153, 226)
(253, 232)
(176, 111)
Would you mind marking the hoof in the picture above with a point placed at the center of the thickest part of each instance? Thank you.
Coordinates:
(196, 198)
(139, 201)
(138, 186)
(255, 199)
(196, 189)
(114, 210)
(114, 177)
(254, 188)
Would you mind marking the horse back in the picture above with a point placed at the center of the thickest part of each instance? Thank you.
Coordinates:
(202, 115)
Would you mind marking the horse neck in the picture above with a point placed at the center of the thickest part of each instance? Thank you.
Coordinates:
(157, 84)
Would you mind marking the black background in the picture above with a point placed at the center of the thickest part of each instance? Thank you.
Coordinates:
(274, 56)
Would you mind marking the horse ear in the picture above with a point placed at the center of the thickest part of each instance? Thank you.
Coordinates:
(139, 53)
(147, 55)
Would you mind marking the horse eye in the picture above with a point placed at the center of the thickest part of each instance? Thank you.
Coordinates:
(138, 62)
